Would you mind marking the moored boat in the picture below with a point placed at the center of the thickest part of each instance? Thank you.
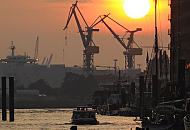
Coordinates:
(187, 117)
(187, 122)
(84, 115)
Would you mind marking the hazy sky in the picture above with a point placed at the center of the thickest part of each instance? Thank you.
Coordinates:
(22, 20)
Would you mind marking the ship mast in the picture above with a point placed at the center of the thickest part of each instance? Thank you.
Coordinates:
(156, 51)
(12, 49)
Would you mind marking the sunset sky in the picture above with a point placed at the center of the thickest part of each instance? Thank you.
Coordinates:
(22, 20)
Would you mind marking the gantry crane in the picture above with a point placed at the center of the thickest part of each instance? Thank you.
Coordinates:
(129, 52)
(86, 35)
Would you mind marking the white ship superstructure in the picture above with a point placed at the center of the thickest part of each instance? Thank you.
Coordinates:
(17, 59)
(26, 70)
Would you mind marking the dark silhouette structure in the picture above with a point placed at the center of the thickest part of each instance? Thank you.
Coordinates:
(11, 99)
(4, 110)
(180, 37)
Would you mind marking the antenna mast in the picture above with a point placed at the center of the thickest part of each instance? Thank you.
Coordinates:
(156, 55)
(156, 40)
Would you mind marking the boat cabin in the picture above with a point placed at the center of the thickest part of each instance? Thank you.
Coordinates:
(84, 115)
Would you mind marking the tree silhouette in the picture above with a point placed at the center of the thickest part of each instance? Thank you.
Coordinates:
(78, 85)
(42, 86)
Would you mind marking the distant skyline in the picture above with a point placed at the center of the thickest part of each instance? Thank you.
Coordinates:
(21, 21)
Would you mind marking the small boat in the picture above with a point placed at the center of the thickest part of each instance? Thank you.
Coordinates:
(187, 122)
(186, 119)
(159, 124)
(165, 117)
(83, 115)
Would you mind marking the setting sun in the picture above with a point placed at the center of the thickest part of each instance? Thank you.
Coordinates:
(136, 8)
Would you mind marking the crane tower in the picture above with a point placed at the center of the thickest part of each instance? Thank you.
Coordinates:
(86, 35)
(130, 51)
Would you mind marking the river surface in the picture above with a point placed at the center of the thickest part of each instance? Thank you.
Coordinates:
(59, 119)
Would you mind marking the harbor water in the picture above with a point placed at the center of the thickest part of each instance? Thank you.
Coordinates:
(59, 119)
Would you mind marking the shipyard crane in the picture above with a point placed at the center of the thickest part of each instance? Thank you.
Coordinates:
(129, 52)
(110, 67)
(86, 35)
(36, 49)
(104, 66)
(43, 61)
(49, 60)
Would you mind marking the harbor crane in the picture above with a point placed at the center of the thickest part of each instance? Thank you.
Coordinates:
(86, 35)
(36, 49)
(129, 52)
(49, 60)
